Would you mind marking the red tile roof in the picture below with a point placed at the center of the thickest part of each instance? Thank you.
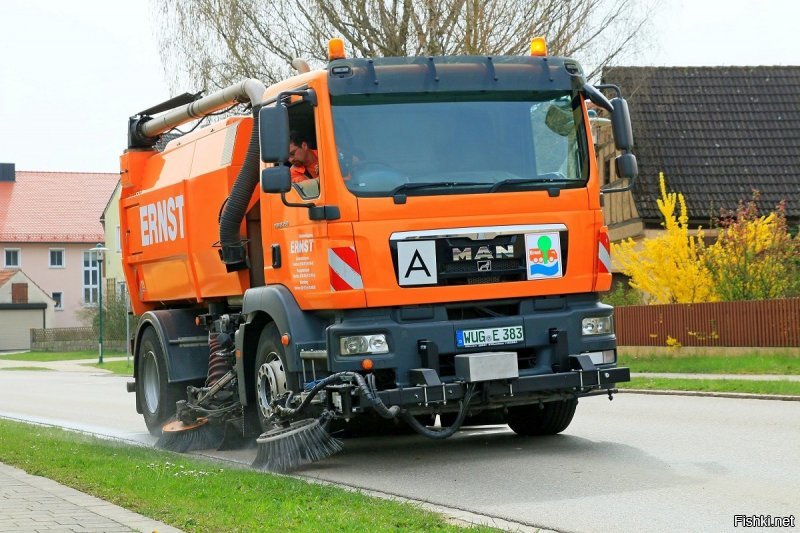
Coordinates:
(5, 275)
(54, 206)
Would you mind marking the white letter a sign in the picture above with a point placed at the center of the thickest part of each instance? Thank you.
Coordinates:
(416, 263)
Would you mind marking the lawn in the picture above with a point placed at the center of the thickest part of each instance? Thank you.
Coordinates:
(713, 364)
(196, 495)
(123, 368)
(791, 388)
(57, 356)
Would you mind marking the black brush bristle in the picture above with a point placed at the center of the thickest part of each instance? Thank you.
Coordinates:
(287, 448)
(200, 438)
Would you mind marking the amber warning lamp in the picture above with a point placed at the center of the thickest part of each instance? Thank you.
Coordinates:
(335, 49)
(538, 46)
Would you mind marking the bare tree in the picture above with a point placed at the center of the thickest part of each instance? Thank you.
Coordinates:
(213, 43)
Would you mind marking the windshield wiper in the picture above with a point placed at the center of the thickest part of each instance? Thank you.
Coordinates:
(546, 182)
(435, 184)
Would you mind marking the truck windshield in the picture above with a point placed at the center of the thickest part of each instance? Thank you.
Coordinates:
(460, 142)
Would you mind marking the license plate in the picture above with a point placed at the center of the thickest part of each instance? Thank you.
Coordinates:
(471, 338)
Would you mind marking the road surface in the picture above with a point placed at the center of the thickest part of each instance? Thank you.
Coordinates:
(639, 463)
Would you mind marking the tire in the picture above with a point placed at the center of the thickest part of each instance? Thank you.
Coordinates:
(271, 382)
(552, 418)
(154, 394)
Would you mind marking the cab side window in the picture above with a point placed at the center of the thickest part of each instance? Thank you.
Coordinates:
(303, 154)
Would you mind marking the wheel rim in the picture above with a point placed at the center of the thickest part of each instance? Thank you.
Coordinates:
(150, 381)
(270, 383)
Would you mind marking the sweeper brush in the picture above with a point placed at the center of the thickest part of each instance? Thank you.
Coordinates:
(201, 435)
(302, 442)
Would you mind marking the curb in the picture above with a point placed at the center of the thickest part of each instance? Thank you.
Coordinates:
(452, 515)
(735, 395)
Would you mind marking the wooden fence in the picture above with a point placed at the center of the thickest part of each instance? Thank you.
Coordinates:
(752, 323)
(71, 339)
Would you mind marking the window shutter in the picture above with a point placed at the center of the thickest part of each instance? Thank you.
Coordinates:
(19, 293)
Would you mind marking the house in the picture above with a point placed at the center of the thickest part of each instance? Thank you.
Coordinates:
(48, 223)
(23, 305)
(717, 133)
(112, 259)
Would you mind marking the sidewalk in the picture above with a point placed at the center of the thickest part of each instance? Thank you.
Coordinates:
(33, 503)
(77, 365)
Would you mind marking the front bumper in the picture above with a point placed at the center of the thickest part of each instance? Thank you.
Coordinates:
(426, 337)
(517, 391)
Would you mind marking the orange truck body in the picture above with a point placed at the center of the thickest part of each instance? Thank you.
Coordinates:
(200, 168)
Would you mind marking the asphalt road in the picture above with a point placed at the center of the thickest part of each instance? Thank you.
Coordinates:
(639, 463)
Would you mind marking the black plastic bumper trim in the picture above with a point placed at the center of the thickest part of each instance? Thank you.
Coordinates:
(494, 390)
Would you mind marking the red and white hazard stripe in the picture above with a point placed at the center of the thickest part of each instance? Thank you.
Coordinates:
(343, 268)
(603, 253)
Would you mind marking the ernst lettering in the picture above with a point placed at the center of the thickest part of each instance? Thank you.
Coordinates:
(162, 221)
(302, 246)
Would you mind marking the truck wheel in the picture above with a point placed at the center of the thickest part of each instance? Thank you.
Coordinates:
(155, 394)
(553, 418)
(270, 373)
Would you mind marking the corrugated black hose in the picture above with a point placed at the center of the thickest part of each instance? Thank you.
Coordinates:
(232, 249)
(444, 432)
(377, 404)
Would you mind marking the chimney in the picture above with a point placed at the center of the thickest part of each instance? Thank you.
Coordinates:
(7, 172)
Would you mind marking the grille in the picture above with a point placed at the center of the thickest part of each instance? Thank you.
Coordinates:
(476, 280)
(472, 266)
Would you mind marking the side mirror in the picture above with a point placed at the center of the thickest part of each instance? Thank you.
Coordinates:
(273, 135)
(627, 167)
(276, 179)
(621, 125)
(597, 98)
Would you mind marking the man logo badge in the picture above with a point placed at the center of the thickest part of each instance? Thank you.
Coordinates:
(484, 266)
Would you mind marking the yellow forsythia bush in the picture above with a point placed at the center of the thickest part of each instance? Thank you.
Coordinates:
(668, 268)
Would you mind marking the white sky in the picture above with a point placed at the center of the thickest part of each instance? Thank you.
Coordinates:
(71, 73)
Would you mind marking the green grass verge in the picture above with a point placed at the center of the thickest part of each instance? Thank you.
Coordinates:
(196, 495)
(123, 368)
(25, 368)
(57, 356)
(707, 364)
(714, 385)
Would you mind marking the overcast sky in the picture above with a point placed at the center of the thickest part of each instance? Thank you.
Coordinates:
(73, 72)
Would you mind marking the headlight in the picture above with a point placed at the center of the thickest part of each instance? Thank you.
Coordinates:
(359, 344)
(597, 325)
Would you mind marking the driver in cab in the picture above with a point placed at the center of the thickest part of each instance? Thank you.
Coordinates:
(305, 165)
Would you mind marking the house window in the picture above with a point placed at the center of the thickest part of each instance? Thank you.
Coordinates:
(11, 258)
(121, 290)
(57, 297)
(91, 278)
(119, 244)
(56, 258)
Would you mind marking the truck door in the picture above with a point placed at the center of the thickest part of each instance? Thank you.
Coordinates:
(293, 244)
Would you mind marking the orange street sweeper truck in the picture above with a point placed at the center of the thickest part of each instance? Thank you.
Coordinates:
(383, 239)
